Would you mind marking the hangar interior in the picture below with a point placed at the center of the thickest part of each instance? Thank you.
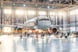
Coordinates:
(60, 14)
(38, 25)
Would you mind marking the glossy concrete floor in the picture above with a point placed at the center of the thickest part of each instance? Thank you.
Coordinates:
(16, 44)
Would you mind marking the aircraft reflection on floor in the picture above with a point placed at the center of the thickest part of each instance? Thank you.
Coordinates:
(15, 44)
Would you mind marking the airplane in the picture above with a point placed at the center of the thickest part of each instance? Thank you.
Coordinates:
(42, 22)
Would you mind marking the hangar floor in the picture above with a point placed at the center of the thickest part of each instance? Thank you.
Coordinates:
(10, 43)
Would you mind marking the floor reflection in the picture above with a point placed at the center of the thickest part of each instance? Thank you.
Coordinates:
(16, 44)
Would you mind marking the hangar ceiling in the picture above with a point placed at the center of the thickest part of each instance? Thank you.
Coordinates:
(50, 4)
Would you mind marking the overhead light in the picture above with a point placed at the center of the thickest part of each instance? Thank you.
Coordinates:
(52, 13)
(61, 13)
(31, 12)
(42, 13)
(24, 5)
(20, 12)
(7, 11)
(48, 7)
(74, 12)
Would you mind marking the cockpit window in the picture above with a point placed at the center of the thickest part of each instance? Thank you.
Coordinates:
(44, 19)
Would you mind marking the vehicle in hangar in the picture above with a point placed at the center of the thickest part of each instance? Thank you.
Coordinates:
(42, 22)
